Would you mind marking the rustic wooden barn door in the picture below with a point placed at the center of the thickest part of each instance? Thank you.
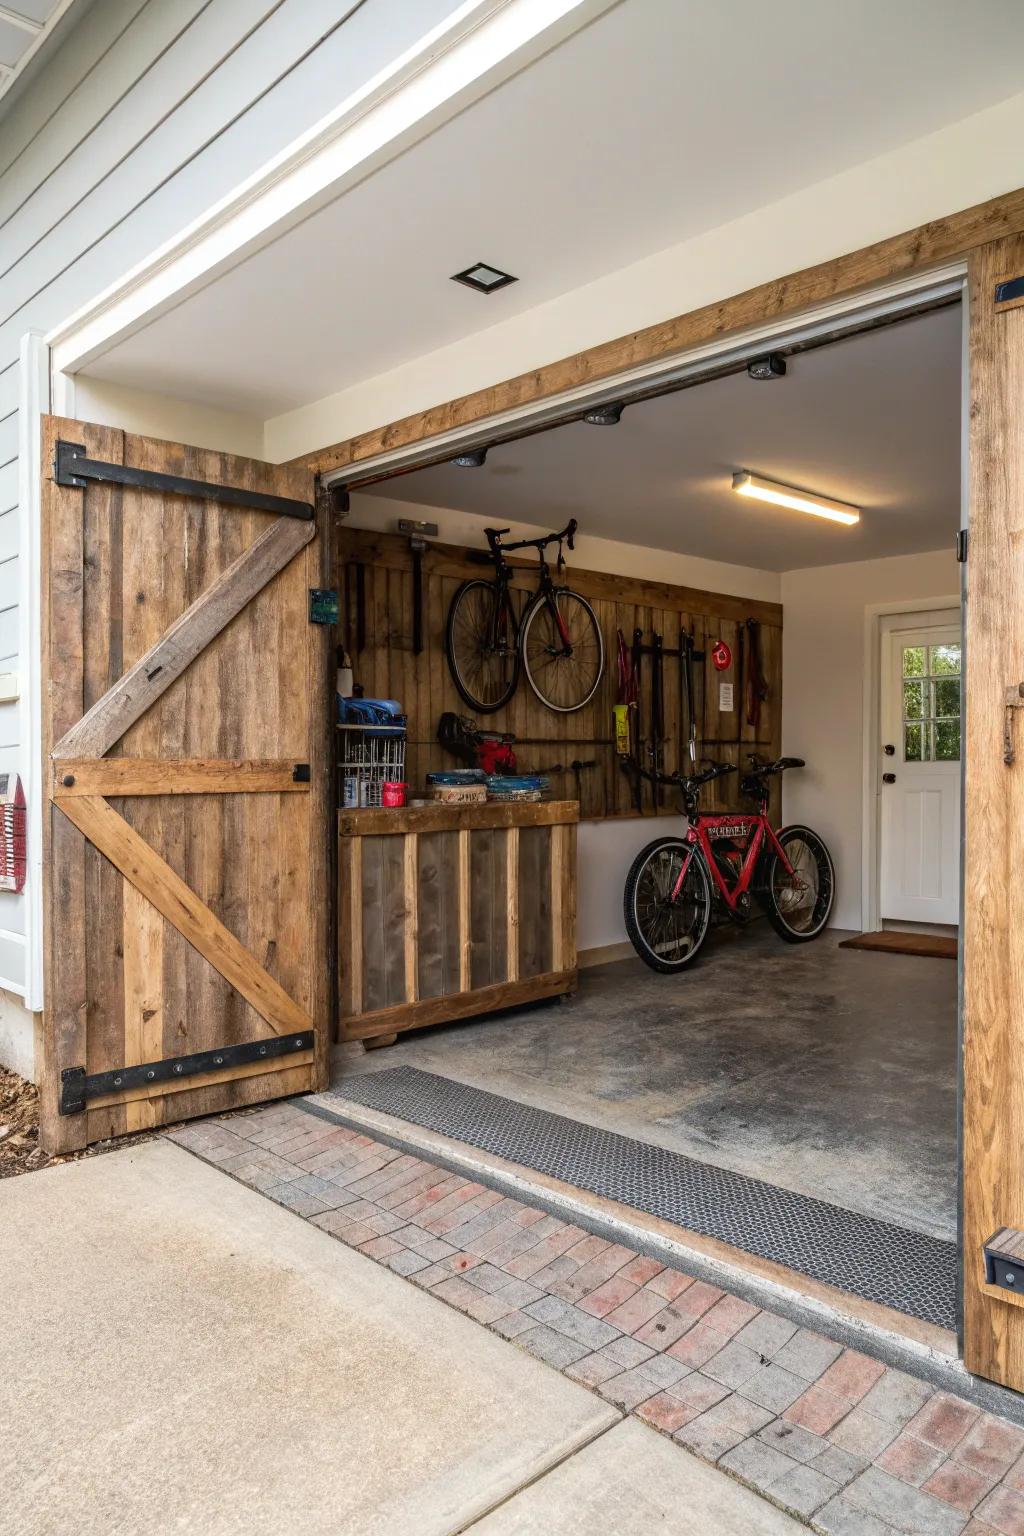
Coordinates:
(993, 908)
(186, 719)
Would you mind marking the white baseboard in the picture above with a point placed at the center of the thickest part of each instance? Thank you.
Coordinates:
(604, 954)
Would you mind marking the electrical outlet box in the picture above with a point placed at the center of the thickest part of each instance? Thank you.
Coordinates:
(417, 530)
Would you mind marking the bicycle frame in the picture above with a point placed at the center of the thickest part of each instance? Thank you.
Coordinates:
(704, 829)
(504, 610)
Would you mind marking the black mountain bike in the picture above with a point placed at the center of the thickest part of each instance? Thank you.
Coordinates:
(557, 641)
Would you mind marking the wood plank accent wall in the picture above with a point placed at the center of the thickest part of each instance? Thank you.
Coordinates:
(388, 668)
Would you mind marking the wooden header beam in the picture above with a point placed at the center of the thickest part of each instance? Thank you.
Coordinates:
(930, 245)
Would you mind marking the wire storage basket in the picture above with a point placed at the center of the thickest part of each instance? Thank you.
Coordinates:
(372, 751)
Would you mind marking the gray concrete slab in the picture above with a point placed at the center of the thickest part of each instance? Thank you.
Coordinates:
(633, 1481)
(178, 1354)
(828, 1071)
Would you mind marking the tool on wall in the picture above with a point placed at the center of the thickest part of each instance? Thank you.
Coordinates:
(652, 747)
(418, 533)
(755, 684)
(355, 607)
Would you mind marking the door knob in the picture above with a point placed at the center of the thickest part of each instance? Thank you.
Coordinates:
(888, 778)
(889, 749)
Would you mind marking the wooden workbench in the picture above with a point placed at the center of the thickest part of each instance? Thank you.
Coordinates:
(448, 911)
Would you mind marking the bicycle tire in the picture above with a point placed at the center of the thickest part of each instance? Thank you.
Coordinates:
(779, 914)
(647, 944)
(457, 651)
(593, 640)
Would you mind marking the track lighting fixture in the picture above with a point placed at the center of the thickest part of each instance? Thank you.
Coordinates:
(473, 458)
(605, 415)
(771, 366)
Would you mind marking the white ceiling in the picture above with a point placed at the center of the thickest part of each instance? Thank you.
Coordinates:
(658, 121)
(873, 420)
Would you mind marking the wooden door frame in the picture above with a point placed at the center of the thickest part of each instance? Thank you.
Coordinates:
(992, 1335)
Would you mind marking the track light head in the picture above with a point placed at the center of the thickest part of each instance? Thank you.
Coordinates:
(771, 366)
(473, 458)
(605, 415)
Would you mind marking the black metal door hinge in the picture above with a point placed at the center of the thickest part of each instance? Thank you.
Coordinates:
(961, 546)
(77, 1088)
(72, 467)
(300, 773)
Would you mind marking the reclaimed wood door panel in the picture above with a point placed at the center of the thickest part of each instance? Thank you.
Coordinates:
(993, 935)
(187, 901)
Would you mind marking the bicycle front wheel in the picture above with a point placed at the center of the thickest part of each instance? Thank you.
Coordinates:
(480, 644)
(799, 903)
(667, 930)
(562, 649)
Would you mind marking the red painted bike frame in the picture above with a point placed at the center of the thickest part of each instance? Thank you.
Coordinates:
(756, 827)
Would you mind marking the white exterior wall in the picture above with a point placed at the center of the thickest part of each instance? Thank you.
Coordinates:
(146, 114)
(825, 617)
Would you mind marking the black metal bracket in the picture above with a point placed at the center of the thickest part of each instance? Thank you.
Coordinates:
(77, 1088)
(72, 467)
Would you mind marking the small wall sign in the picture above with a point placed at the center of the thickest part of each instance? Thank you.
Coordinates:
(1009, 293)
(323, 605)
(725, 704)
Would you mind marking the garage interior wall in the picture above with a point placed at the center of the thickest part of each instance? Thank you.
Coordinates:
(149, 111)
(824, 610)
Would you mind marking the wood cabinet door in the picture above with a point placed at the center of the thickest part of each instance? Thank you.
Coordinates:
(186, 720)
(993, 903)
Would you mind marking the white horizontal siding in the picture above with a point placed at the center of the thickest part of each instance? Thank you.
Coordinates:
(149, 112)
(8, 635)
(12, 959)
(8, 485)
(232, 112)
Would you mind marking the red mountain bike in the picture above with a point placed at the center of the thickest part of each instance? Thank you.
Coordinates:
(675, 884)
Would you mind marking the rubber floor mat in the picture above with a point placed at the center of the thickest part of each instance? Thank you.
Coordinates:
(905, 1270)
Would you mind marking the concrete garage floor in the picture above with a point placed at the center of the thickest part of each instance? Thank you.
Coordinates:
(180, 1354)
(828, 1071)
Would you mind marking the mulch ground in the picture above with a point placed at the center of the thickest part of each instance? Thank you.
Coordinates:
(20, 1151)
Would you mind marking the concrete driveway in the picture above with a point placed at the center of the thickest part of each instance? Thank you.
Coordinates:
(179, 1354)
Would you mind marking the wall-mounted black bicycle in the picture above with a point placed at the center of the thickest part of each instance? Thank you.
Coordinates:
(557, 641)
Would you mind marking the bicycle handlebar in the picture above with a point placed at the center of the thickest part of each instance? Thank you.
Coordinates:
(567, 535)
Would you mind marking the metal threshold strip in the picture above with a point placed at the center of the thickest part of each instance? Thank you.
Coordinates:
(896, 1268)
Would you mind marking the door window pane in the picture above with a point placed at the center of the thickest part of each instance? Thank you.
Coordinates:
(931, 703)
(947, 740)
(946, 697)
(913, 738)
(945, 659)
(913, 700)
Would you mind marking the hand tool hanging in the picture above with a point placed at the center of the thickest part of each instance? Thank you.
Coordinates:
(687, 712)
(755, 686)
(625, 713)
(656, 749)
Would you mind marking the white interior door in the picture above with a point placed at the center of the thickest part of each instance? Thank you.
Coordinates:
(920, 771)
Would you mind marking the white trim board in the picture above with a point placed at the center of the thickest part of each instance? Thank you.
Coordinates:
(34, 403)
(467, 55)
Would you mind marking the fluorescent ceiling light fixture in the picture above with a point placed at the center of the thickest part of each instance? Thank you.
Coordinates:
(788, 496)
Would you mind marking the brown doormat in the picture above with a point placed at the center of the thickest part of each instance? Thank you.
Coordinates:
(934, 945)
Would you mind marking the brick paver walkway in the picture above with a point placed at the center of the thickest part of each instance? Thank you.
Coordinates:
(852, 1447)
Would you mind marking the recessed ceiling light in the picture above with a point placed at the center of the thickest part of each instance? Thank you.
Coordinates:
(484, 278)
(473, 458)
(771, 366)
(605, 415)
(788, 496)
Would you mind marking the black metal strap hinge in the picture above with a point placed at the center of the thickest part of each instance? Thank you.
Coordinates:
(961, 546)
(77, 1087)
(72, 467)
